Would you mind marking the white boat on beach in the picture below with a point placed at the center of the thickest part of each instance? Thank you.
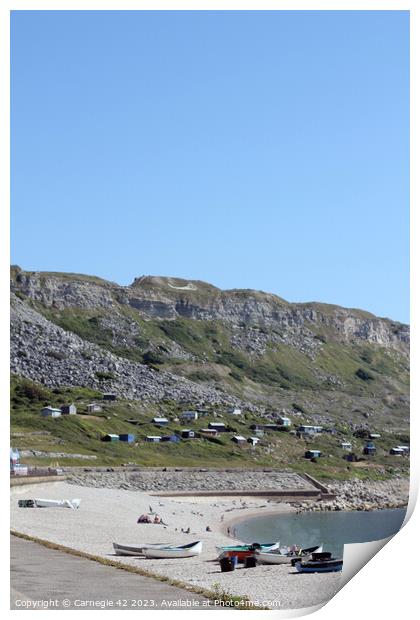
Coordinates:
(57, 503)
(136, 550)
(284, 555)
(184, 551)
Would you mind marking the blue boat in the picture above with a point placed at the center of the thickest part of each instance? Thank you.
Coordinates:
(327, 565)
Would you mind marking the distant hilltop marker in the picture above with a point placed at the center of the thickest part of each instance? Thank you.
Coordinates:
(188, 287)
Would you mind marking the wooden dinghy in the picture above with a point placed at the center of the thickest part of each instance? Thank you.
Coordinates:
(245, 551)
(136, 550)
(320, 565)
(183, 551)
(284, 555)
(57, 503)
(256, 545)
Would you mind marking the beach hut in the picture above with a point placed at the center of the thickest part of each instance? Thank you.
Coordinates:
(369, 449)
(239, 440)
(189, 415)
(127, 437)
(312, 454)
(309, 429)
(351, 458)
(396, 451)
(109, 396)
(187, 433)
(274, 427)
(253, 440)
(94, 408)
(218, 426)
(68, 409)
(110, 437)
(160, 421)
(171, 438)
(345, 445)
(51, 412)
(209, 432)
(153, 438)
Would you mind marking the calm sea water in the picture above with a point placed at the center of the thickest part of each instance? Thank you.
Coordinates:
(333, 529)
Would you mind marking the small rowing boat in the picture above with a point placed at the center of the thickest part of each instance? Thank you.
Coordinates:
(319, 564)
(57, 503)
(247, 545)
(183, 551)
(284, 555)
(136, 550)
(245, 551)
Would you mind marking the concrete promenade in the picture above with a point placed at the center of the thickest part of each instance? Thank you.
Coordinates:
(43, 578)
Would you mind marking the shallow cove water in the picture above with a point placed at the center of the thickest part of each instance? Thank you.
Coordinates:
(333, 529)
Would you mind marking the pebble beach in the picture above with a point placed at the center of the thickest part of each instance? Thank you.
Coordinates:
(108, 515)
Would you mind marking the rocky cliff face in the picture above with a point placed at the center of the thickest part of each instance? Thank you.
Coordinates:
(170, 298)
(45, 353)
(168, 338)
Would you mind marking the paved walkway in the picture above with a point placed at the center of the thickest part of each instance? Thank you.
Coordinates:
(43, 578)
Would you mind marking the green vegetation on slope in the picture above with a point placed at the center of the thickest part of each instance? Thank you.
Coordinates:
(81, 434)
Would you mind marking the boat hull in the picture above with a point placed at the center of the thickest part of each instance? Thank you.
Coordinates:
(274, 557)
(186, 551)
(271, 545)
(329, 566)
(57, 503)
(133, 550)
(245, 551)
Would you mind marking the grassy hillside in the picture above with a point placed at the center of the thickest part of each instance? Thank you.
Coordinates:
(81, 434)
(317, 363)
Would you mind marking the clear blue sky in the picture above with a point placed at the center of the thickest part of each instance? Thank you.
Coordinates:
(264, 150)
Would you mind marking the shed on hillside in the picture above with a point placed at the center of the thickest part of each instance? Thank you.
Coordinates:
(187, 433)
(171, 438)
(110, 437)
(253, 440)
(218, 426)
(109, 396)
(68, 409)
(369, 449)
(128, 437)
(274, 427)
(312, 454)
(210, 432)
(94, 408)
(308, 428)
(51, 412)
(188, 415)
(396, 451)
(160, 421)
(153, 438)
(238, 439)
